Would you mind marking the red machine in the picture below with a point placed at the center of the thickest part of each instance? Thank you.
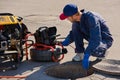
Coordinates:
(45, 47)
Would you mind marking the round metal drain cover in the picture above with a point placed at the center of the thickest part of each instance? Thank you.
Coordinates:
(68, 70)
(108, 66)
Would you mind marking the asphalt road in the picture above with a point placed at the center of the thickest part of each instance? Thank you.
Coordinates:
(37, 13)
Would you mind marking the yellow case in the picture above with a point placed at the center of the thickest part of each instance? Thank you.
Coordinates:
(7, 20)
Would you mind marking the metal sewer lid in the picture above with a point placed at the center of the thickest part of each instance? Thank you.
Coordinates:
(108, 66)
(73, 70)
(68, 70)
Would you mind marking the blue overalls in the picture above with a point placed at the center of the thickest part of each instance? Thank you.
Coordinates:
(92, 28)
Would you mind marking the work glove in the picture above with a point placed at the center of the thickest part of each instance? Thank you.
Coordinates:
(85, 61)
(66, 42)
(100, 52)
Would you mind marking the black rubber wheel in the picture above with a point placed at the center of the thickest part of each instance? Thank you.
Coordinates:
(40, 55)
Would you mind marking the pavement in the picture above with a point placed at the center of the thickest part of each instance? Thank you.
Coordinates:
(38, 13)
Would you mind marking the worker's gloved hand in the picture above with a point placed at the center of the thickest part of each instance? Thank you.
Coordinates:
(66, 42)
(100, 52)
(85, 61)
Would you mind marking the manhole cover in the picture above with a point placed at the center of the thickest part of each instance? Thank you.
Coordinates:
(108, 66)
(68, 70)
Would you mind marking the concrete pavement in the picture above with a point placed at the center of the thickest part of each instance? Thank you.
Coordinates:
(37, 13)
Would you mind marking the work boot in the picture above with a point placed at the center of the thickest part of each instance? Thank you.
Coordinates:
(78, 57)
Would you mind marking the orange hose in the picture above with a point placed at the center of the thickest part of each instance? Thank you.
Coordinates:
(26, 50)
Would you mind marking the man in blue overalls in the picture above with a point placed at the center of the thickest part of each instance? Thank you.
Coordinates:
(89, 26)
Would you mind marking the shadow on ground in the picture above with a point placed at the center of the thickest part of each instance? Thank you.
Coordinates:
(29, 69)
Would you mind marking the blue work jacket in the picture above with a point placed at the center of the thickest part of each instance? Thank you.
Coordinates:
(92, 28)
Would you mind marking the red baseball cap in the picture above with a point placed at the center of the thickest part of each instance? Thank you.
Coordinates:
(68, 10)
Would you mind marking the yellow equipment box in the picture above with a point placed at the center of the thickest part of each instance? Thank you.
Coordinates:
(6, 20)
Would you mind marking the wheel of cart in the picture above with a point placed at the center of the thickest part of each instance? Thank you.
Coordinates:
(49, 53)
(12, 34)
(45, 47)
